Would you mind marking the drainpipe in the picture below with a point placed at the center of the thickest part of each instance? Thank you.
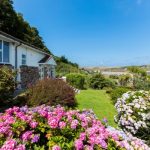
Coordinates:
(16, 55)
(16, 58)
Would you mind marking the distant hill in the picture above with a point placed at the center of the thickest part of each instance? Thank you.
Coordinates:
(114, 69)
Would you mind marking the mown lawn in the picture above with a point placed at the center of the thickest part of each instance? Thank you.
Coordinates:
(99, 102)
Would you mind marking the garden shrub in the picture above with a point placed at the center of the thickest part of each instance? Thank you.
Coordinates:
(98, 81)
(117, 93)
(7, 84)
(54, 128)
(52, 92)
(134, 113)
(76, 80)
(141, 84)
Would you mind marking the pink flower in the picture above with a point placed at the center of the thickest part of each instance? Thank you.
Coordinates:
(78, 144)
(53, 122)
(33, 124)
(82, 136)
(62, 124)
(87, 147)
(74, 124)
(56, 147)
(27, 136)
(9, 145)
(20, 147)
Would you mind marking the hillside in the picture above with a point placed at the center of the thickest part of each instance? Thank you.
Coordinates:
(64, 66)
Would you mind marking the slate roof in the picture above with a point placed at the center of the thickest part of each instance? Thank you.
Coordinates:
(45, 59)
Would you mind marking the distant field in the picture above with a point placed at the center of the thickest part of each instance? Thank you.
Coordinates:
(99, 101)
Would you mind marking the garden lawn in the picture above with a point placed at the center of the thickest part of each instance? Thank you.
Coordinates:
(99, 101)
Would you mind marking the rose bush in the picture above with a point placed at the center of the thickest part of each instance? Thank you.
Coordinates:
(134, 113)
(54, 128)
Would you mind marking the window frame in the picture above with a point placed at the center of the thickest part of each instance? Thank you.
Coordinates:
(2, 51)
(24, 59)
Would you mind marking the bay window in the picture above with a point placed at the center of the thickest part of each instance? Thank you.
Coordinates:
(4, 52)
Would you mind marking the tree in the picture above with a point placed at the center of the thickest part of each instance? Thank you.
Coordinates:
(14, 24)
(124, 80)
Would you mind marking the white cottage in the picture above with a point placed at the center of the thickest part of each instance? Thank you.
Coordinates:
(30, 62)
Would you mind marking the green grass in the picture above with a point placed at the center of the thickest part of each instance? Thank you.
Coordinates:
(99, 102)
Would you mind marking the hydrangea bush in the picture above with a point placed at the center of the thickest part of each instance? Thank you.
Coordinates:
(134, 113)
(54, 128)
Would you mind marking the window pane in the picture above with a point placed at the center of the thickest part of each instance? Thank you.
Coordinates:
(0, 56)
(6, 52)
(0, 44)
(23, 59)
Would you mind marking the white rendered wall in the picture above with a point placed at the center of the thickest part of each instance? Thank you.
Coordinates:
(32, 57)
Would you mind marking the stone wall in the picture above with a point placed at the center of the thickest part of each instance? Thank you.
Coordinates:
(29, 75)
(7, 65)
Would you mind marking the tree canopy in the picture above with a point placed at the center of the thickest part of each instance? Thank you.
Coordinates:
(14, 24)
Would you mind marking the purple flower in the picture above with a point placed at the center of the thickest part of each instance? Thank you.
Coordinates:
(105, 120)
(35, 138)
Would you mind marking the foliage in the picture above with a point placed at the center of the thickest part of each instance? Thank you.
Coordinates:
(63, 59)
(98, 81)
(117, 93)
(53, 92)
(124, 80)
(7, 84)
(45, 127)
(62, 69)
(141, 84)
(76, 80)
(134, 113)
(15, 25)
(114, 77)
(137, 70)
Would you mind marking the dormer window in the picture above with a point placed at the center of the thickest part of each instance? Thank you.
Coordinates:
(4, 52)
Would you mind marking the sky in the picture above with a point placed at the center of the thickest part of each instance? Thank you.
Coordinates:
(92, 32)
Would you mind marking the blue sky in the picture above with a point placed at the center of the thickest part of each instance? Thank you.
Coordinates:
(92, 32)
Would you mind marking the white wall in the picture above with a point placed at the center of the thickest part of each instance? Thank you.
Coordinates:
(12, 54)
(32, 57)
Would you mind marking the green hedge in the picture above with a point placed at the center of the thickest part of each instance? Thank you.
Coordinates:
(98, 81)
(117, 93)
(76, 80)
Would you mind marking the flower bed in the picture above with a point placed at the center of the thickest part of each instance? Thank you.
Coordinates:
(134, 113)
(45, 127)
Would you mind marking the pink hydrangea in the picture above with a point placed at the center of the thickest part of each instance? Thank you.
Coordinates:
(74, 124)
(79, 144)
(33, 124)
(53, 122)
(62, 124)
(27, 135)
(56, 147)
